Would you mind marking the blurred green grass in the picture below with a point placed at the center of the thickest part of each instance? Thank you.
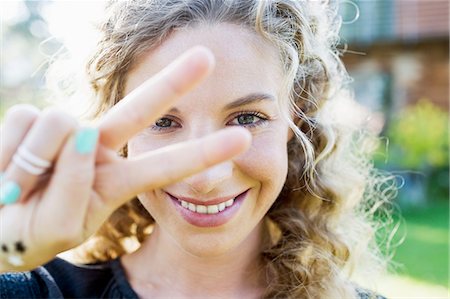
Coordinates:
(424, 254)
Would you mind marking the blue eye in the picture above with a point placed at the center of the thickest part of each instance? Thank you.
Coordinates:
(246, 119)
(249, 119)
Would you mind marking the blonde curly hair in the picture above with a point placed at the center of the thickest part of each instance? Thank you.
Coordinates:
(321, 225)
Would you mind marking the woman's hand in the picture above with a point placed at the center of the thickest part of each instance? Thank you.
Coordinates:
(43, 215)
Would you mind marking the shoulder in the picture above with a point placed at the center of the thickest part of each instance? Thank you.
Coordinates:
(61, 279)
(31, 284)
(76, 280)
(101, 280)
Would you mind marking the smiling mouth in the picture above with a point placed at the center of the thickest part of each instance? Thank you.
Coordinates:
(206, 209)
(201, 215)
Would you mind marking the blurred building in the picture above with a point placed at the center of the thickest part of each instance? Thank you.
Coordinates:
(397, 52)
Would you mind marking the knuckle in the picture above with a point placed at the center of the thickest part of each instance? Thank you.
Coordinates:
(137, 117)
(173, 87)
(57, 119)
(22, 112)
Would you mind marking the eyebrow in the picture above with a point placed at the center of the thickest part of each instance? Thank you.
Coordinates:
(250, 99)
(245, 100)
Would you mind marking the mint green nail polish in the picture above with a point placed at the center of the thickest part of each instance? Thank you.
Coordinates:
(86, 140)
(9, 193)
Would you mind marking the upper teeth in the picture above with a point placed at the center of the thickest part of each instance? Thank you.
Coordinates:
(203, 209)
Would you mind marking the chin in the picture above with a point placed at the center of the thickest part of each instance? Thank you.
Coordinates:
(208, 245)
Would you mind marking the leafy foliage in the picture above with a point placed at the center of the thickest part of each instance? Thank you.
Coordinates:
(419, 137)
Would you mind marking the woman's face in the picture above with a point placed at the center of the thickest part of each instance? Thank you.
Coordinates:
(216, 210)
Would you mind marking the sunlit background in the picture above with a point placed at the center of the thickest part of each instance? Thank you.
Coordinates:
(398, 54)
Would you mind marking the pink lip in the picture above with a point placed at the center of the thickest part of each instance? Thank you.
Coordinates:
(206, 203)
(209, 220)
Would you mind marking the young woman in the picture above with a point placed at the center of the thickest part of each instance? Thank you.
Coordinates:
(246, 185)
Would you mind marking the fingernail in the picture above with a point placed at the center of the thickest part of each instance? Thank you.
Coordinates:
(9, 193)
(86, 140)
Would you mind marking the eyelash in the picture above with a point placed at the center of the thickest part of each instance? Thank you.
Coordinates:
(262, 120)
(170, 118)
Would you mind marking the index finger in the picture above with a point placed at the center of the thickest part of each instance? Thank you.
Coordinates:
(155, 96)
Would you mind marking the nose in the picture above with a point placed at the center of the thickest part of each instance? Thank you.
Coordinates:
(206, 181)
(209, 179)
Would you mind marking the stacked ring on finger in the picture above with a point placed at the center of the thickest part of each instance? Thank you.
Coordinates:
(30, 162)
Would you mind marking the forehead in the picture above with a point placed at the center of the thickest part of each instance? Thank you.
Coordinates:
(245, 62)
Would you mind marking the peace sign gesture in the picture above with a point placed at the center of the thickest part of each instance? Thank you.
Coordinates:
(61, 181)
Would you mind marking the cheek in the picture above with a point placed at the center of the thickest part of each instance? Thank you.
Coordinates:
(266, 160)
(155, 203)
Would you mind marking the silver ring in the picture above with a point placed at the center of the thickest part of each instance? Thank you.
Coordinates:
(30, 157)
(30, 162)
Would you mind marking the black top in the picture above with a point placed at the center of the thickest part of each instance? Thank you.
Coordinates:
(61, 279)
